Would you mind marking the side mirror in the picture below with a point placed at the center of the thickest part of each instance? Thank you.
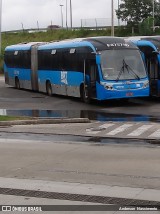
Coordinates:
(155, 53)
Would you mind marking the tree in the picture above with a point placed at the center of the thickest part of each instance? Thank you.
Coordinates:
(135, 12)
(145, 27)
(157, 13)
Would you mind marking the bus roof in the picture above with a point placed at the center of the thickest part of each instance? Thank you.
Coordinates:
(155, 40)
(96, 43)
(22, 46)
(103, 43)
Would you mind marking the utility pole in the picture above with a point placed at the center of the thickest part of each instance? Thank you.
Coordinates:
(38, 25)
(112, 18)
(71, 13)
(0, 27)
(22, 27)
(153, 16)
(118, 18)
(66, 15)
(61, 5)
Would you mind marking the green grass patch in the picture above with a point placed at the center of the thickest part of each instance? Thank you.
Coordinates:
(9, 38)
(12, 118)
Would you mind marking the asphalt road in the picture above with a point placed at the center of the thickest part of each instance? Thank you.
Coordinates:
(13, 99)
(59, 159)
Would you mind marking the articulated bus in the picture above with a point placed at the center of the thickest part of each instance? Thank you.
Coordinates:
(150, 47)
(98, 68)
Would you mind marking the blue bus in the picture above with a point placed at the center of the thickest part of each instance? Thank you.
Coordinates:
(150, 47)
(98, 68)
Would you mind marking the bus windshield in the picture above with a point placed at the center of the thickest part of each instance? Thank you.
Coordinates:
(122, 65)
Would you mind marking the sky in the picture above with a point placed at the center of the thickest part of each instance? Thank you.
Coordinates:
(18, 14)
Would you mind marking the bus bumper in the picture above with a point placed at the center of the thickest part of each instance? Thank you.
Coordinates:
(105, 94)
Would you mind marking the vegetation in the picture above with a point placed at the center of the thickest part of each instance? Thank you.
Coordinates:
(51, 35)
(136, 12)
(11, 118)
(60, 34)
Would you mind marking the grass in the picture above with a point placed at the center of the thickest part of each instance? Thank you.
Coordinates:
(54, 35)
(51, 35)
(11, 118)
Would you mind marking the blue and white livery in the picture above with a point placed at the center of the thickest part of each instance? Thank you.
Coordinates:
(99, 68)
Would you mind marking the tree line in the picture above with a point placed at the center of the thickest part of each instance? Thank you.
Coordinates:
(139, 14)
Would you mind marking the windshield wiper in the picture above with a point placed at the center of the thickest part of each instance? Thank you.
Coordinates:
(125, 65)
(121, 71)
(128, 67)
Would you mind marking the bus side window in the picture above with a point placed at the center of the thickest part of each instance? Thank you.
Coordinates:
(93, 73)
(154, 68)
(92, 70)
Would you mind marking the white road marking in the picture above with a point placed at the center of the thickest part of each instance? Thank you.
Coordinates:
(106, 125)
(120, 129)
(98, 129)
(155, 134)
(92, 131)
(140, 130)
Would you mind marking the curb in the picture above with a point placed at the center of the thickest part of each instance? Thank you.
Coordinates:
(45, 121)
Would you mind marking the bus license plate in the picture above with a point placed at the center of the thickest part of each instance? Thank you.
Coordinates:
(129, 94)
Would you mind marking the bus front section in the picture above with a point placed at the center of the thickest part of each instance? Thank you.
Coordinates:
(122, 74)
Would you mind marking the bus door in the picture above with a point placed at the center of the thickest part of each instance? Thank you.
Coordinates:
(153, 76)
(91, 72)
(34, 68)
(151, 61)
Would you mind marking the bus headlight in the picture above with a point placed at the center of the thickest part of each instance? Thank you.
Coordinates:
(146, 84)
(109, 87)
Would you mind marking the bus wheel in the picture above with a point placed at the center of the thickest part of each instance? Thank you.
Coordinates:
(85, 95)
(49, 88)
(17, 83)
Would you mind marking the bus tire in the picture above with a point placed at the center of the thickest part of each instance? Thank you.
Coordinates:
(49, 88)
(17, 83)
(85, 97)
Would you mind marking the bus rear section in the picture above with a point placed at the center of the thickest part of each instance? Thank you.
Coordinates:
(20, 65)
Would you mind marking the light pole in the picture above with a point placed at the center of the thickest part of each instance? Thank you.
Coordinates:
(38, 25)
(61, 5)
(153, 15)
(66, 15)
(22, 27)
(0, 27)
(118, 18)
(71, 13)
(112, 18)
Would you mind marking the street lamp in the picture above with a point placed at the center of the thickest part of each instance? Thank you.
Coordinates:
(61, 5)
(112, 18)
